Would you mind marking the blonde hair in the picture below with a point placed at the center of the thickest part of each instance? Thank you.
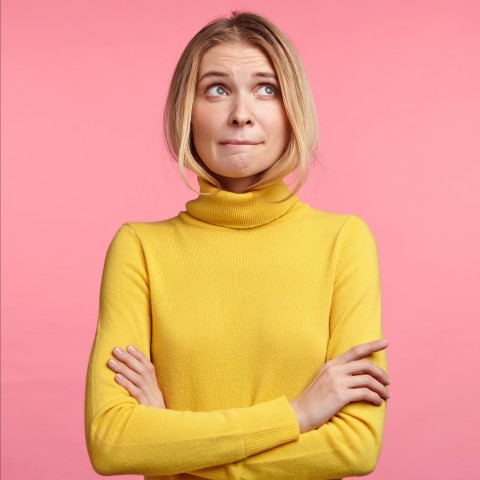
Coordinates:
(294, 88)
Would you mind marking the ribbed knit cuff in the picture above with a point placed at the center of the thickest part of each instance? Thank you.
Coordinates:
(212, 473)
(268, 424)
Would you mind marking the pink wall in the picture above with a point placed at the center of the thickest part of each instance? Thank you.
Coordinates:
(397, 90)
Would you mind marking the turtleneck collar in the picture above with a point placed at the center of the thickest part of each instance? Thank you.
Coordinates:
(241, 210)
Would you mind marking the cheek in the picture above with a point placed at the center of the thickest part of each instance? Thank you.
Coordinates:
(276, 118)
(202, 139)
(281, 126)
(203, 126)
(197, 130)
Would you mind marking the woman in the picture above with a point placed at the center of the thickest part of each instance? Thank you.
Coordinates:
(255, 319)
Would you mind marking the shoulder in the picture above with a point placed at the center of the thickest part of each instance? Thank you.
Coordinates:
(151, 228)
(349, 234)
(139, 234)
(148, 229)
(343, 224)
(356, 243)
(356, 230)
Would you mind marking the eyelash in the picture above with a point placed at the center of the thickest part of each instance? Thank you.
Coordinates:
(275, 90)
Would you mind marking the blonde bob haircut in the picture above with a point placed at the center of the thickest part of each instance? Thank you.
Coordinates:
(294, 89)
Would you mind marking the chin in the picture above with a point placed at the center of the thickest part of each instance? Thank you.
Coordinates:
(236, 171)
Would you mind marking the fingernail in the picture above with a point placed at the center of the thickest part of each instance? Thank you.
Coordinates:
(384, 342)
(131, 349)
(118, 350)
(112, 362)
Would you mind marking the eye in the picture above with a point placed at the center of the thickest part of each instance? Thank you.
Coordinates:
(267, 91)
(216, 91)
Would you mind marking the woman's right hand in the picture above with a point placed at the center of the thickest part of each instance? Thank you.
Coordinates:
(347, 378)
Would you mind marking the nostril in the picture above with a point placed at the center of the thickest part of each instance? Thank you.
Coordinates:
(238, 123)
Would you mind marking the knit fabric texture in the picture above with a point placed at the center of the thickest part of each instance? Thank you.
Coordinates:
(238, 302)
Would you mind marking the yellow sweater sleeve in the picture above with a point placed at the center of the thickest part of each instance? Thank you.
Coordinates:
(350, 443)
(123, 436)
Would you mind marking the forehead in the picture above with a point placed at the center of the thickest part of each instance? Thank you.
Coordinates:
(236, 56)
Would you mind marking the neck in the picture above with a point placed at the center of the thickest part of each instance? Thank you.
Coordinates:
(236, 185)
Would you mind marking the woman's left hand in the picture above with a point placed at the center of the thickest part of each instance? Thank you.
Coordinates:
(136, 374)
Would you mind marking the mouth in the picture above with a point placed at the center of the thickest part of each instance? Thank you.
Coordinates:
(239, 142)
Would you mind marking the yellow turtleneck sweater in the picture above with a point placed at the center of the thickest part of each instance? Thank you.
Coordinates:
(239, 304)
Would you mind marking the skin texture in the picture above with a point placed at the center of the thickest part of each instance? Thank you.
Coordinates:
(238, 99)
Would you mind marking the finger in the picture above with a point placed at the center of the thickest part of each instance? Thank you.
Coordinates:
(359, 367)
(134, 391)
(366, 395)
(369, 382)
(142, 358)
(129, 360)
(122, 369)
(140, 389)
(136, 367)
(360, 351)
(138, 354)
(139, 374)
(151, 390)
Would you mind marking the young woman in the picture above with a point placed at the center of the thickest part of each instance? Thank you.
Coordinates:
(241, 339)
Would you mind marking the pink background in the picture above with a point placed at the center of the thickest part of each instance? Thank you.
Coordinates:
(397, 90)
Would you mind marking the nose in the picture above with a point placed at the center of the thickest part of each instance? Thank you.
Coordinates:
(241, 113)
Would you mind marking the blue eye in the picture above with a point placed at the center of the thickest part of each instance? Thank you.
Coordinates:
(216, 91)
(268, 90)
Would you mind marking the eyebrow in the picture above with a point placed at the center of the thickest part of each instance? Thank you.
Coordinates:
(216, 74)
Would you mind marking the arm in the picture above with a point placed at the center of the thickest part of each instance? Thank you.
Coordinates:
(125, 437)
(350, 443)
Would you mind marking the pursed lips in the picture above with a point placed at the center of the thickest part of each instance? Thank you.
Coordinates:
(239, 142)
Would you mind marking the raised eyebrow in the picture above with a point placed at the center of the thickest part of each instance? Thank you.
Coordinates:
(215, 74)
(212, 74)
(265, 75)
